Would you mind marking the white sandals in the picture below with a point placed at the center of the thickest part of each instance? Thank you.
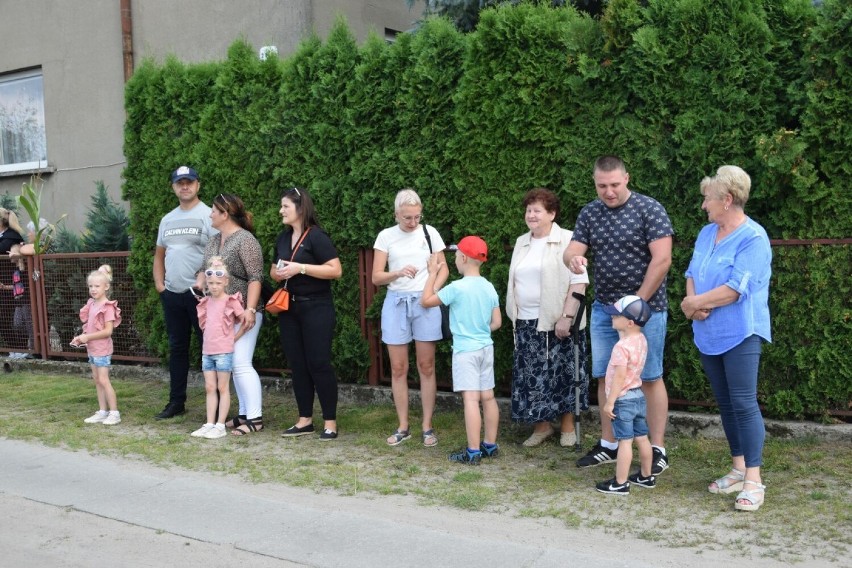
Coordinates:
(753, 496)
(729, 483)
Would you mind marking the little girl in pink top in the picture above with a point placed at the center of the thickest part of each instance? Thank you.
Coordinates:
(217, 314)
(100, 316)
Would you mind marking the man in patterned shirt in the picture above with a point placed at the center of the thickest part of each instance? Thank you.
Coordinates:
(630, 236)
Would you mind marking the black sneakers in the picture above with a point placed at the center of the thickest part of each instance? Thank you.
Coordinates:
(647, 482)
(659, 462)
(612, 487)
(597, 456)
(170, 411)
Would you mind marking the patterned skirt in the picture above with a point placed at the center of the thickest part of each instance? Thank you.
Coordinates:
(543, 387)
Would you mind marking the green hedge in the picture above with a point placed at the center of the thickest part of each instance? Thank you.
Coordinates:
(531, 98)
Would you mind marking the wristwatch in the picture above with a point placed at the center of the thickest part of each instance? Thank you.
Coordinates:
(303, 270)
(566, 316)
(252, 310)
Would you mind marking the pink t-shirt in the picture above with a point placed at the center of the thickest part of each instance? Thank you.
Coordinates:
(629, 352)
(216, 318)
(94, 317)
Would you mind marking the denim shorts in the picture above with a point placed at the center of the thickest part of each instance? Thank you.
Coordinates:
(474, 370)
(629, 413)
(100, 361)
(220, 362)
(404, 319)
(604, 339)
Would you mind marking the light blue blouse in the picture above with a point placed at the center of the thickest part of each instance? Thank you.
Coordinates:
(743, 262)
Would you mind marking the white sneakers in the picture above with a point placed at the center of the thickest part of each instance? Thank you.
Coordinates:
(210, 431)
(217, 431)
(203, 430)
(113, 418)
(97, 417)
(110, 418)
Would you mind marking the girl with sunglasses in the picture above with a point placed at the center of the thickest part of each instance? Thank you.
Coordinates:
(217, 316)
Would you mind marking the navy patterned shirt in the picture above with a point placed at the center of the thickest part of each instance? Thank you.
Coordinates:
(619, 239)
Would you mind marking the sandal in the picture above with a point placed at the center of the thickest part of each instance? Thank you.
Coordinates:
(235, 421)
(398, 437)
(248, 426)
(754, 497)
(429, 438)
(731, 482)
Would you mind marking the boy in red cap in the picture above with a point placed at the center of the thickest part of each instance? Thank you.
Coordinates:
(474, 315)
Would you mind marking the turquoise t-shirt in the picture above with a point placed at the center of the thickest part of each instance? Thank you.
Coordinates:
(471, 300)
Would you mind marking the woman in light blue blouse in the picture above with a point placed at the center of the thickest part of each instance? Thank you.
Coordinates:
(727, 299)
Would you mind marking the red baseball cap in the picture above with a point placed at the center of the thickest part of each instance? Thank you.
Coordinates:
(473, 247)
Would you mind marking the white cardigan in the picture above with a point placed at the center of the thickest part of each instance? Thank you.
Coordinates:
(555, 278)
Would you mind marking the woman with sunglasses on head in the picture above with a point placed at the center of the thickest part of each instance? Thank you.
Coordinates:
(306, 264)
(243, 259)
(400, 255)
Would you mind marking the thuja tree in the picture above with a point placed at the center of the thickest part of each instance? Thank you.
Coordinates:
(531, 98)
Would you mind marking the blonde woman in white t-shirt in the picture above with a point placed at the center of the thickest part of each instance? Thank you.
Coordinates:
(400, 256)
(541, 305)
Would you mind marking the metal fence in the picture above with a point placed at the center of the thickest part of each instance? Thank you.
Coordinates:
(42, 321)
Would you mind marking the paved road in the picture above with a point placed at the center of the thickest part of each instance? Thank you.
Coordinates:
(70, 509)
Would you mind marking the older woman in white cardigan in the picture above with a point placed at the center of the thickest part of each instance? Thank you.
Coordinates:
(541, 305)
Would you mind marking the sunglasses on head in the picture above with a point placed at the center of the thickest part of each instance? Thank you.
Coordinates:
(296, 190)
(218, 272)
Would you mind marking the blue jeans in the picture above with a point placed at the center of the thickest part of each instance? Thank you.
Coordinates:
(630, 410)
(604, 339)
(181, 317)
(733, 378)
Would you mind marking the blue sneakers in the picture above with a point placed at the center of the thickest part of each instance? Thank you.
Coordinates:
(466, 456)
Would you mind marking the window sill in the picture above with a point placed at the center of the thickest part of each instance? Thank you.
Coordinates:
(28, 172)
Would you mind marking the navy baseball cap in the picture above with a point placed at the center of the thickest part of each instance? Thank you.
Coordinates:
(633, 308)
(184, 172)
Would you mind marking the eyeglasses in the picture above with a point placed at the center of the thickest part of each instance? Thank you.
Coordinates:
(219, 273)
(296, 189)
(411, 218)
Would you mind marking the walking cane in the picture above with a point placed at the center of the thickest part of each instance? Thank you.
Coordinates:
(575, 333)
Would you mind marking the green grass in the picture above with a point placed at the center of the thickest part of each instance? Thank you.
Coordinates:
(807, 512)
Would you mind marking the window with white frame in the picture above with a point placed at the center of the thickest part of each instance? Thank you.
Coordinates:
(23, 144)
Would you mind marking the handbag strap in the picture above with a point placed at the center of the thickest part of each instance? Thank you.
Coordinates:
(296, 248)
(428, 238)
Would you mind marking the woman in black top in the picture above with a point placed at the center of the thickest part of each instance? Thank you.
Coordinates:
(307, 327)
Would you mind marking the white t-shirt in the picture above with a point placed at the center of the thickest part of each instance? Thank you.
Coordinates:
(408, 248)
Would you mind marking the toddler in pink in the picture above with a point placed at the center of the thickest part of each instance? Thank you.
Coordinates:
(100, 316)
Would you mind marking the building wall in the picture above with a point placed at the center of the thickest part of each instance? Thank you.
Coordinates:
(78, 46)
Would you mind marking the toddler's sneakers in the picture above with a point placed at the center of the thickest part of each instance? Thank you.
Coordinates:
(203, 430)
(112, 419)
(466, 456)
(97, 417)
(613, 487)
(648, 482)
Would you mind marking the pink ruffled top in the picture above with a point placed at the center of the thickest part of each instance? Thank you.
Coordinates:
(94, 317)
(217, 318)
